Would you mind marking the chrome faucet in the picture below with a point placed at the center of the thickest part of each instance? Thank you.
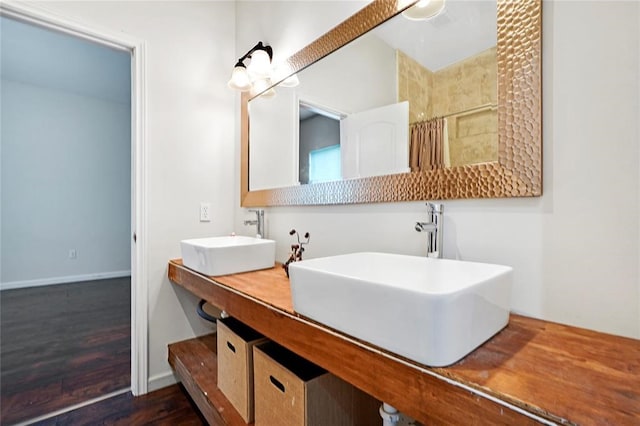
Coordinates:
(258, 222)
(433, 228)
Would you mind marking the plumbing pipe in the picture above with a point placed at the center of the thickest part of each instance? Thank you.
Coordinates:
(204, 314)
(390, 416)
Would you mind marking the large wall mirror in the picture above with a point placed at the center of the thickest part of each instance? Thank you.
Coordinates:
(391, 109)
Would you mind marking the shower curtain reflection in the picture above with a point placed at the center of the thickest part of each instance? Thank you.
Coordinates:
(428, 145)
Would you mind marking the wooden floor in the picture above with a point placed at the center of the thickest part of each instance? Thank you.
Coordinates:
(167, 406)
(63, 345)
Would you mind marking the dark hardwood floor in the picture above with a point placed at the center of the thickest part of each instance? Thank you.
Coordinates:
(167, 406)
(63, 345)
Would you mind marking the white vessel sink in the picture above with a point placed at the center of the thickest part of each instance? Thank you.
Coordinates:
(227, 255)
(432, 311)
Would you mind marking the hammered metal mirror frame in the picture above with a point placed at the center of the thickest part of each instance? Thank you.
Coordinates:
(518, 171)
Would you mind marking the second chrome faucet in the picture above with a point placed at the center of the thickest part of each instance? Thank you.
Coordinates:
(433, 228)
(258, 222)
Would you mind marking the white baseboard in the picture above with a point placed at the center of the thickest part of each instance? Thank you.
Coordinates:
(161, 380)
(63, 280)
(73, 407)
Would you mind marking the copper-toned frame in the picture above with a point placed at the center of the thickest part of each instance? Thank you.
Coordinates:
(518, 171)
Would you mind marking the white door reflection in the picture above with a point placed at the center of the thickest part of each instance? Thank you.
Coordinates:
(376, 142)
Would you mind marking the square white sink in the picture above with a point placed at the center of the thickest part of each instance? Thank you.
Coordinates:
(228, 255)
(432, 311)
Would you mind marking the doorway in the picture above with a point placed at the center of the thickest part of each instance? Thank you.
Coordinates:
(76, 264)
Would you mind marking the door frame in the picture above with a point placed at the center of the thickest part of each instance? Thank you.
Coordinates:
(139, 284)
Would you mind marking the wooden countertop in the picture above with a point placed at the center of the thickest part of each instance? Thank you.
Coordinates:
(531, 372)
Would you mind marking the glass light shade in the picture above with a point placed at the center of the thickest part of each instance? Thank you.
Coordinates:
(424, 9)
(268, 94)
(240, 79)
(260, 65)
(260, 85)
(292, 81)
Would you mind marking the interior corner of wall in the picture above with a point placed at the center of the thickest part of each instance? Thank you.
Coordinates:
(161, 380)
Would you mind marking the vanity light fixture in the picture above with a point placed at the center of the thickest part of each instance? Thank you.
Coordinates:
(243, 78)
(258, 75)
(424, 9)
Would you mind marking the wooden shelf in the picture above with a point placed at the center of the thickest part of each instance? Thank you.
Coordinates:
(531, 372)
(195, 362)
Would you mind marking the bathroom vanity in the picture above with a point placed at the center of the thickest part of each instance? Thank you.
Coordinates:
(532, 372)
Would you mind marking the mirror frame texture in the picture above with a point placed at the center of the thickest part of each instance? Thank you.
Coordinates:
(518, 171)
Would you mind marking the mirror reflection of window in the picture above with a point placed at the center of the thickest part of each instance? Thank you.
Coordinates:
(319, 141)
(324, 164)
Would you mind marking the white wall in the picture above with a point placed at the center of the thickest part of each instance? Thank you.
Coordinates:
(575, 250)
(366, 63)
(65, 185)
(190, 140)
